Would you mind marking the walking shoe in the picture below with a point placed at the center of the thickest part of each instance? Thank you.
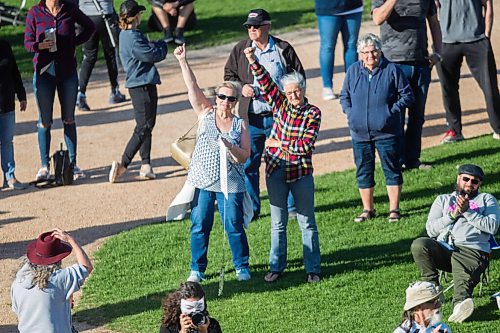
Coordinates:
(451, 136)
(43, 173)
(16, 185)
(273, 277)
(462, 310)
(179, 36)
(147, 172)
(292, 215)
(167, 36)
(196, 276)
(328, 94)
(243, 274)
(81, 102)
(116, 96)
(313, 278)
(78, 173)
(496, 136)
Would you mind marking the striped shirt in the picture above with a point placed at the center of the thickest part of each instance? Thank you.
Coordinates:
(39, 19)
(296, 128)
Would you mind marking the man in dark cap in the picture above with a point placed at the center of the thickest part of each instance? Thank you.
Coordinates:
(279, 58)
(460, 225)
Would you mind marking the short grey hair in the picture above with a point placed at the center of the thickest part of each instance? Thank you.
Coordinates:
(233, 85)
(369, 39)
(293, 78)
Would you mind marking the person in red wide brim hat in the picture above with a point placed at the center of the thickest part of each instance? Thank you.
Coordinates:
(42, 291)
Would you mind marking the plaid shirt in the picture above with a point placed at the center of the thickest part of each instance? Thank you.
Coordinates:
(40, 19)
(296, 128)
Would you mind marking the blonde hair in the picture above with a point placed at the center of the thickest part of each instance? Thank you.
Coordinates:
(41, 273)
(233, 85)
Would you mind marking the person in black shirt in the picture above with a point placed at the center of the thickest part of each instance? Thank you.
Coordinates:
(10, 86)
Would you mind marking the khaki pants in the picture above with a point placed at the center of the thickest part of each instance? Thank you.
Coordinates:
(465, 264)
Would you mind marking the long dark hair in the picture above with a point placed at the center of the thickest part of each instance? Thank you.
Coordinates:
(171, 304)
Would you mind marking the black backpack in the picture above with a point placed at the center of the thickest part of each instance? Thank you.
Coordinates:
(63, 168)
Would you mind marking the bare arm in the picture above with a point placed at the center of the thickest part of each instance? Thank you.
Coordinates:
(240, 153)
(196, 97)
(81, 256)
(488, 18)
(437, 38)
(382, 13)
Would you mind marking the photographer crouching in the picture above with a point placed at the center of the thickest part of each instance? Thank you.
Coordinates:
(185, 311)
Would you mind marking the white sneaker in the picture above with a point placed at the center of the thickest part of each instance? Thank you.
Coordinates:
(462, 311)
(78, 173)
(196, 276)
(496, 136)
(328, 94)
(43, 173)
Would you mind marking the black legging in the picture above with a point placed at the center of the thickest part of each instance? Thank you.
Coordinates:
(90, 50)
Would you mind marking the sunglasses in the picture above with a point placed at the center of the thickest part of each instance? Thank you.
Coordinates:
(255, 26)
(224, 97)
(473, 181)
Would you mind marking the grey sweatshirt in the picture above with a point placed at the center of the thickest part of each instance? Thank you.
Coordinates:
(89, 8)
(473, 228)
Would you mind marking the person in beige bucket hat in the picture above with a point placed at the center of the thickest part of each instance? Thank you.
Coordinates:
(422, 310)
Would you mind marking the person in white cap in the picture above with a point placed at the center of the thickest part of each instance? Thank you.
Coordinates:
(422, 310)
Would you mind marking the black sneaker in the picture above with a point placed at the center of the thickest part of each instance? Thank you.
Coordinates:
(116, 96)
(81, 102)
(167, 36)
(179, 36)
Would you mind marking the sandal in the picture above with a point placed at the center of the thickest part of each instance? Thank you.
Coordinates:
(394, 216)
(369, 215)
(273, 276)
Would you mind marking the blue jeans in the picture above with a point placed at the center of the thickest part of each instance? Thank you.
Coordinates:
(364, 157)
(411, 144)
(44, 88)
(7, 123)
(259, 130)
(329, 28)
(303, 192)
(202, 220)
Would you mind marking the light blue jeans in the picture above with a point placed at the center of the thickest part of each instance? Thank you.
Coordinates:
(303, 192)
(44, 88)
(329, 28)
(202, 220)
(7, 124)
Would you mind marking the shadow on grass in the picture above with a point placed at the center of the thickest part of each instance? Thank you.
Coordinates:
(363, 258)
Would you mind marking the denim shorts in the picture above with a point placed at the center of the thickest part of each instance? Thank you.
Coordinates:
(364, 157)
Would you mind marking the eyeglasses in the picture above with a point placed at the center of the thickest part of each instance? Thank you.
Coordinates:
(254, 26)
(473, 181)
(224, 97)
(374, 52)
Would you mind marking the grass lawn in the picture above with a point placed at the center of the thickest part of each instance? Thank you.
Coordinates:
(366, 267)
(219, 22)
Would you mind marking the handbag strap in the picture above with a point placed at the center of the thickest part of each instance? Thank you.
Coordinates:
(189, 130)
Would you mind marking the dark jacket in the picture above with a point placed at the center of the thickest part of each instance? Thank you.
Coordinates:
(373, 106)
(333, 7)
(238, 69)
(10, 79)
(38, 20)
(213, 327)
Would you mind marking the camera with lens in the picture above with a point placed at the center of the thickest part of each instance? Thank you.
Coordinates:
(198, 318)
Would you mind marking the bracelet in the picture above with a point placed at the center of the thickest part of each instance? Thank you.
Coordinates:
(452, 216)
(439, 56)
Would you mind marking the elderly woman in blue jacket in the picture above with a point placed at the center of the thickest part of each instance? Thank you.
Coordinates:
(374, 93)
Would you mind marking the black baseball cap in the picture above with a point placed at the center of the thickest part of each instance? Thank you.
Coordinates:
(258, 17)
(471, 169)
(131, 8)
